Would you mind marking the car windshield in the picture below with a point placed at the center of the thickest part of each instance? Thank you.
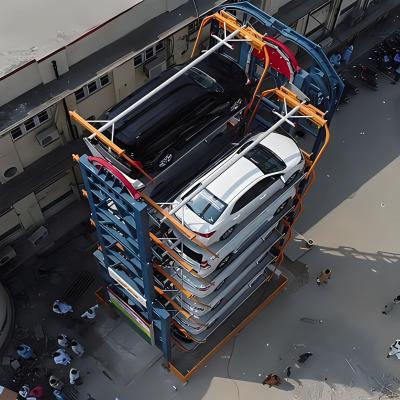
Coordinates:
(207, 206)
(204, 80)
(264, 159)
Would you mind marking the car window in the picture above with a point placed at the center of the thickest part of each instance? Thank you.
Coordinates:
(253, 193)
(207, 206)
(265, 159)
(204, 80)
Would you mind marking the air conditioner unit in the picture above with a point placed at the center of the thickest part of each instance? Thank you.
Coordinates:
(154, 68)
(6, 255)
(47, 137)
(38, 235)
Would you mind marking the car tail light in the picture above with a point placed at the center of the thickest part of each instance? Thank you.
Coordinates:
(204, 264)
(205, 235)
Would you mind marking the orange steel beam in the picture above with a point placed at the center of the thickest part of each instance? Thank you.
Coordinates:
(116, 149)
(172, 302)
(175, 256)
(239, 328)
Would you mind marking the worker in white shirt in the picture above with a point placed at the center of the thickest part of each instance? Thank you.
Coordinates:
(394, 349)
(62, 340)
(61, 357)
(77, 348)
(59, 307)
(91, 312)
(74, 377)
(55, 382)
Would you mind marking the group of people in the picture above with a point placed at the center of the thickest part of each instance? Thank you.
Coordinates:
(60, 307)
(61, 356)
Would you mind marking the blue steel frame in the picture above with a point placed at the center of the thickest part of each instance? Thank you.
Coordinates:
(122, 225)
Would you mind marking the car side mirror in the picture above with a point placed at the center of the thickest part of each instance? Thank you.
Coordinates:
(282, 178)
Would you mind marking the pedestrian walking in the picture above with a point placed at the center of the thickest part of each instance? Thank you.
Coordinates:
(348, 52)
(91, 312)
(25, 351)
(74, 377)
(55, 382)
(23, 392)
(389, 307)
(394, 349)
(272, 380)
(61, 357)
(62, 340)
(77, 348)
(324, 276)
(59, 307)
(304, 357)
(396, 74)
(58, 395)
(36, 393)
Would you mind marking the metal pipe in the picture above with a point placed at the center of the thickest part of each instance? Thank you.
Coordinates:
(235, 158)
(168, 81)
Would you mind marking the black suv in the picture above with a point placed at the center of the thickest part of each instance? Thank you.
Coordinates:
(206, 96)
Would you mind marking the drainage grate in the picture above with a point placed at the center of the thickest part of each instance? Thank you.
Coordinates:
(78, 287)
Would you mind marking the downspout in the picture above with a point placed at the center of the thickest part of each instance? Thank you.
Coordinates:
(64, 103)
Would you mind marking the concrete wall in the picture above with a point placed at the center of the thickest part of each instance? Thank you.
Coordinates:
(124, 80)
(8, 158)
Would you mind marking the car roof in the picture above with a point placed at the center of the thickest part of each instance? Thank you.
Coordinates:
(234, 180)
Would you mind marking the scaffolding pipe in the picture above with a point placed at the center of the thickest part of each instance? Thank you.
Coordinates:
(221, 43)
(235, 158)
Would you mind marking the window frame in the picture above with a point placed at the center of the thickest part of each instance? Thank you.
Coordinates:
(262, 181)
(36, 121)
(99, 85)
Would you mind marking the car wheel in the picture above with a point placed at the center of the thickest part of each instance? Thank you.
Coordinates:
(165, 159)
(227, 233)
(281, 208)
(224, 261)
(291, 179)
(220, 285)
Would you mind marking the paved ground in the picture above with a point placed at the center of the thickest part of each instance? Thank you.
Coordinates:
(351, 214)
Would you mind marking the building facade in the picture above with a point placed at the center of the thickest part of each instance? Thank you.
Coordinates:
(99, 69)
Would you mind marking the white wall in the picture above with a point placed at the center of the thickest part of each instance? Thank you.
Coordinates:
(124, 80)
(8, 158)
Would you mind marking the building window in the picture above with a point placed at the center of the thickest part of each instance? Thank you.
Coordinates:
(16, 133)
(92, 87)
(80, 94)
(159, 46)
(30, 124)
(138, 60)
(104, 80)
(149, 53)
(194, 26)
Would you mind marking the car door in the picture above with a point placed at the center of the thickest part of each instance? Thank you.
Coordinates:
(253, 198)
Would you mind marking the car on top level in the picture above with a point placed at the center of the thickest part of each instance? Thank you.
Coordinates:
(203, 98)
(214, 213)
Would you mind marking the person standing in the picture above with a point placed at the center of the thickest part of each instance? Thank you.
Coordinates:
(55, 382)
(394, 349)
(74, 377)
(25, 351)
(304, 357)
(272, 380)
(77, 348)
(58, 395)
(348, 52)
(389, 307)
(62, 340)
(324, 276)
(61, 357)
(59, 307)
(91, 312)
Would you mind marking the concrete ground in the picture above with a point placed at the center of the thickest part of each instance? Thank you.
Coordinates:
(350, 213)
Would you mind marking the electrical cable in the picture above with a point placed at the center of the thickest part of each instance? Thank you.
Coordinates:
(197, 11)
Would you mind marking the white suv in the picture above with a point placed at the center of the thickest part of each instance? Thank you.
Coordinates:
(214, 213)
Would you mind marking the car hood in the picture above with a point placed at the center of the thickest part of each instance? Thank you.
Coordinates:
(284, 147)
